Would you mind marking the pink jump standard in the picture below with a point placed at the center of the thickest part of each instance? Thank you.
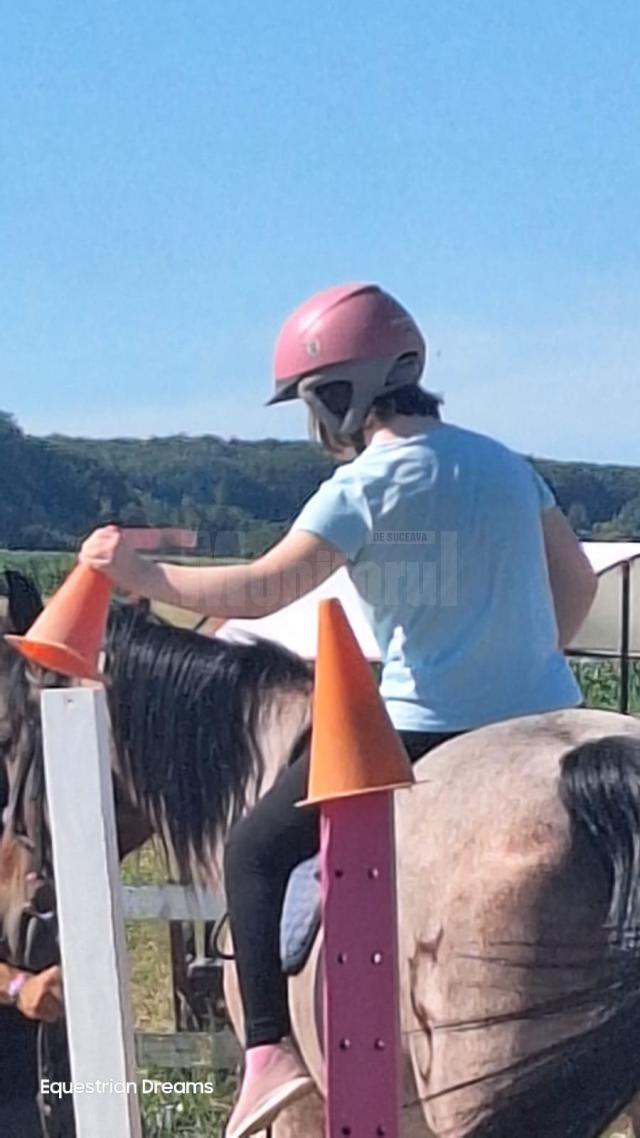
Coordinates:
(357, 761)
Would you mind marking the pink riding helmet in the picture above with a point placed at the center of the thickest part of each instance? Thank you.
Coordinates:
(356, 336)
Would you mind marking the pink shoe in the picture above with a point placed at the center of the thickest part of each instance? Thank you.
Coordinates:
(281, 1080)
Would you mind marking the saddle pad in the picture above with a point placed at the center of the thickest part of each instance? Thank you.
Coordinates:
(301, 916)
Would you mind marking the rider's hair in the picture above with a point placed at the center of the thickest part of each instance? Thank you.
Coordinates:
(410, 401)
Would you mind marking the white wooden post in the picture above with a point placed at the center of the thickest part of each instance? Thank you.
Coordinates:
(89, 906)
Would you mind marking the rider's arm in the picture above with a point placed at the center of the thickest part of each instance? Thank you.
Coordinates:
(300, 562)
(573, 581)
(294, 567)
(329, 531)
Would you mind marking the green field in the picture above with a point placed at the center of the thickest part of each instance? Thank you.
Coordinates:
(47, 570)
(600, 682)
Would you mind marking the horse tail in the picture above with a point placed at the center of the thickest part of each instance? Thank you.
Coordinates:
(577, 1087)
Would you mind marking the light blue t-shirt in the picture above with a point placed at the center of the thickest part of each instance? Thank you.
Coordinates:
(443, 539)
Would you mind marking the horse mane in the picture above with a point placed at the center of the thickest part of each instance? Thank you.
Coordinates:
(186, 713)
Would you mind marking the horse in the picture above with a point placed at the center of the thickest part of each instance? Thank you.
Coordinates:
(518, 875)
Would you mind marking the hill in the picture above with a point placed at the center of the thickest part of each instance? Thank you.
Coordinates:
(240, 495)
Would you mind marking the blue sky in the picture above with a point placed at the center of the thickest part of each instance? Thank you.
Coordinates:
(175, 175)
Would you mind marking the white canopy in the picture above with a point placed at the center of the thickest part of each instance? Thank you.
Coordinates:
(605, 555)
(617, 564)
(296, 625)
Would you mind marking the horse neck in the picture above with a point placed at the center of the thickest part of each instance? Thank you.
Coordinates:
(194, 747)
(284, 731)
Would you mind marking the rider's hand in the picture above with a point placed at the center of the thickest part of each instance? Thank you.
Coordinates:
(108, 551)
(40, 996)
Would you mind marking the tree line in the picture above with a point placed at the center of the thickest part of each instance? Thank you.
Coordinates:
(240, 496)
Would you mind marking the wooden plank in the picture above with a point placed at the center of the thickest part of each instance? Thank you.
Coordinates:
(179, 978)
(89, 907)
(220, 1051)
(171, 903)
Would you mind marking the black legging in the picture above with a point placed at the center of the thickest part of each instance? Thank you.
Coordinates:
(262, 850)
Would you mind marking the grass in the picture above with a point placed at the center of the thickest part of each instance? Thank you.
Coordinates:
(48, 570)
(600, 681)
(189, 1113)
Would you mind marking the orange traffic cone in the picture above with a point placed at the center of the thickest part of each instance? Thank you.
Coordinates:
(354, 748)
(67, 637)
